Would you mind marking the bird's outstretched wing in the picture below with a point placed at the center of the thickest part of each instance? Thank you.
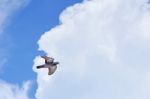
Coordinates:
(48, 60)
(51, 70)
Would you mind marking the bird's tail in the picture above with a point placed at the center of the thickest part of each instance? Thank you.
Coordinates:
(38, 67)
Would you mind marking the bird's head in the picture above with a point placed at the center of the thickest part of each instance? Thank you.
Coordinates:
(56, 63)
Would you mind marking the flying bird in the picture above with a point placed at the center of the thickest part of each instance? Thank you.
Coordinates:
(50, 64)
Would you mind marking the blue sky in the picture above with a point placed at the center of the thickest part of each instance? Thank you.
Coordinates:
(23, 30)
(103, 47)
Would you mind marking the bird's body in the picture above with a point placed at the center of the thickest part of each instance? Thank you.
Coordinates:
(52, 66)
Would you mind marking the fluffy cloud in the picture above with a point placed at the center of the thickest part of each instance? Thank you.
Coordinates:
(104, 50)
(10, 91)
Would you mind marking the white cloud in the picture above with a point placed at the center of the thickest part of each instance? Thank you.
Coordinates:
(10, 91)
(104, 50)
